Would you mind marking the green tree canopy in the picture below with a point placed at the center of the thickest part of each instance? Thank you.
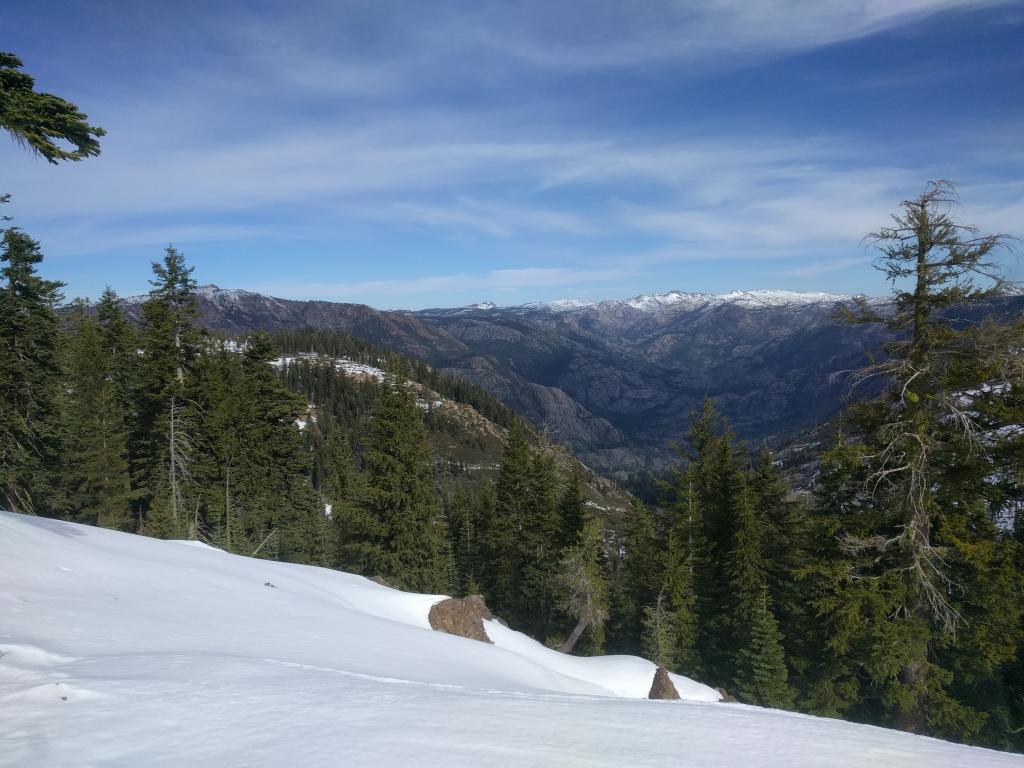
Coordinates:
(41, 121)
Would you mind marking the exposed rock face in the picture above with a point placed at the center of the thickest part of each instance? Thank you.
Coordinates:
(662, 687)
(462, 616)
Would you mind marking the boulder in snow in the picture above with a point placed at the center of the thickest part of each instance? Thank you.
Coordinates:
(662, 687)
(727, 698)
(462, 616)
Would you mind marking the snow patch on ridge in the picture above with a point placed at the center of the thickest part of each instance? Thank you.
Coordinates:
(681, 300)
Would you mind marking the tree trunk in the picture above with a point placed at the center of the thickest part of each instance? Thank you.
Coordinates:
(913, 677)
(227, 508)
(577, 633)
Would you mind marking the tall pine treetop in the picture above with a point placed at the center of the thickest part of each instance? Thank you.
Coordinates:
(173, 281)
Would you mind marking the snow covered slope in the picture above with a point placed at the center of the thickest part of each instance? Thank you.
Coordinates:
(119, 650)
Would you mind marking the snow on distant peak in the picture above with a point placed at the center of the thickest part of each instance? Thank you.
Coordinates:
(655, 301)
(683, 300)
(780, 298)
(483, 305)
(758, 298)
(222, 296)
(560, 305)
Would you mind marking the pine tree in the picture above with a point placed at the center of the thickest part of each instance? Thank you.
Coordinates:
(712, 477)
(121, 349)
(917, 545)
(572, 507)
(97, 474)
(29, 377)
(835, 597)
(166, 421)
(41, 121)
(761, 674)
(463, 515)
(659, 637)
(274, 465)
(680, 562)
(406, 544)
(757, 658)
(219, 388)
(504, 582)
(583, 589)
(538, 545)
(642, 573)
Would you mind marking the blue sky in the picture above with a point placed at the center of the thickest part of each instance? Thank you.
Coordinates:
(406, 154)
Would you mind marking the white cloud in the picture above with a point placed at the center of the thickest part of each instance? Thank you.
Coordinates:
(715, 33)
(495, 282)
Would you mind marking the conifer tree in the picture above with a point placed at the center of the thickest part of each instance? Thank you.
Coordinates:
(711, 480)
(659, 637)
(466, 528)
(835, 596)
(572, 506)
(683, 562)
(39, 120)
(512, 498)
(336, 479)
(916, 543)
(761, 674)
(166, 420)
(757, 658)
(538, 544)
(583, 589)
(406, 544)
(121, 347)
(642, 572)
(785, 532)
(219, 388)
(29, 377)
(274, 465)
(96, 435)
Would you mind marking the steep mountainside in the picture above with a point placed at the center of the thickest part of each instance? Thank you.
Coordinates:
(467, 440)
(615, 380)
(638, 367)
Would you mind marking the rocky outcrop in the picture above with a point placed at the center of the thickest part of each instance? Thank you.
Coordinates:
(727, 698)
(662, 687)
(462, 616)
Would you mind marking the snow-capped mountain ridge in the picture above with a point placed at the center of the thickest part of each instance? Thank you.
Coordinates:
(222, 297)
(675, 300)
(225, 298)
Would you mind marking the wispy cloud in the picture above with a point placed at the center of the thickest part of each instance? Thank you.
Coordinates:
(622, 137)
(717, 33)
(466, 214)
(495, 283)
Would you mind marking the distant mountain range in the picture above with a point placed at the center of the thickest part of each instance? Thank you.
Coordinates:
(615, 380)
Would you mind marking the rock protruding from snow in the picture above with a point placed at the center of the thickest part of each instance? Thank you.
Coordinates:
(462, 616)
(662, 687)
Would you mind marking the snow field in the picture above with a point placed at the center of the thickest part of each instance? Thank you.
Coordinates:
(119, 650)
